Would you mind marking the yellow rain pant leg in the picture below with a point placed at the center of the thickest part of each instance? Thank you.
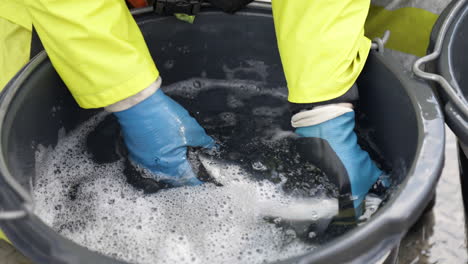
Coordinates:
(95, 46)
(410, 28)
(322, 46)
(15, 45)
(3, 237)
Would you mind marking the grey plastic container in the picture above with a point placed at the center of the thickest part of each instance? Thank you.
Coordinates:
(406, 119)
(451, 30)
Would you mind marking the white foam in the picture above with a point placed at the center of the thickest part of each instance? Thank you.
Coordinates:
(203, 224)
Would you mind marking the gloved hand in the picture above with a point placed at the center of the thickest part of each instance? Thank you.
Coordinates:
(157, 132)
(230, 6)
(331, 143)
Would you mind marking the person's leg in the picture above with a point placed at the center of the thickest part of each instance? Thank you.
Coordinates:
(14, 49)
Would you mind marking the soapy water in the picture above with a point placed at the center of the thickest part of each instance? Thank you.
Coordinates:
(264, 211)
(93, 206)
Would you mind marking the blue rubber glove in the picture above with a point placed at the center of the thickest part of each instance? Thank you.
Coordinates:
(157, 132)
(352, 165)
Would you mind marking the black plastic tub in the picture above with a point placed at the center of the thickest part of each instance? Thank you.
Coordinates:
(406, 121)
(449, 40)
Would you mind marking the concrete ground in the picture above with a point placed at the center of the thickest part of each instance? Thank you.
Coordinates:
(438, 237)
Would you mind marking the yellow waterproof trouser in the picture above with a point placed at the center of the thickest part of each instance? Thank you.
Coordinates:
(15, 45)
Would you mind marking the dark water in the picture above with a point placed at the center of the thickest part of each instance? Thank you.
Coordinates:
(252, 127)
